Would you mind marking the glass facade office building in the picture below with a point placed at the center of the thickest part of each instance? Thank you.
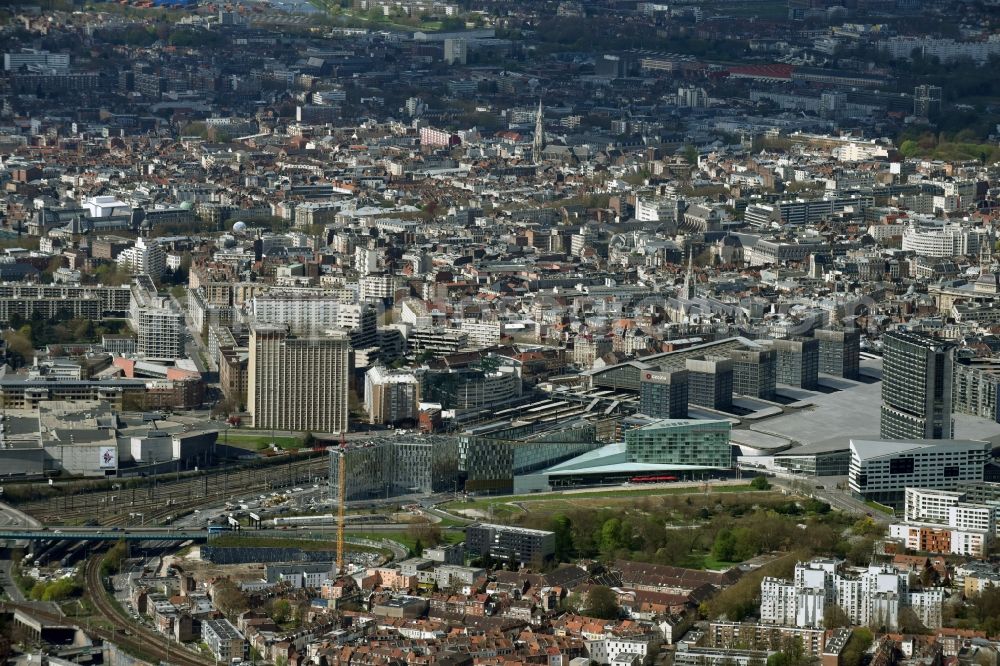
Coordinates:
(916, 387)
(680, 442)
(664, 395)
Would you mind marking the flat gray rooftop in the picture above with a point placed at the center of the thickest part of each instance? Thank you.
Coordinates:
(853, 412)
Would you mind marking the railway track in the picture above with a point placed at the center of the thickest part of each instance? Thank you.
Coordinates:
(142, 640)
(171, 497)
(133, 638)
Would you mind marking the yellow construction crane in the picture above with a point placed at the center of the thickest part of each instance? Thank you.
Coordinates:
(341, 502)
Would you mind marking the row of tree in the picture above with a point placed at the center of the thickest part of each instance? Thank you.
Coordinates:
(682, 532)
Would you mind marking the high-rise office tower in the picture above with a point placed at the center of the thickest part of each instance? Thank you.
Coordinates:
(754, 372)
(159, 326)
(798, 362)
(298, 384)
(710, 382)
(391, 396)
(539, 141)
(916, 386)
(839, 352)
(664, 395)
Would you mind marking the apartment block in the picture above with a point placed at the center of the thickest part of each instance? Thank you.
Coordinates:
(298, 384)
(225, 641)
(391, 396)
(158, 324)
(511, 544)
(875, 596)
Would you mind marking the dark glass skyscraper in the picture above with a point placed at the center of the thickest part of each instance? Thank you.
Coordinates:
(664, 395)
(916, 387)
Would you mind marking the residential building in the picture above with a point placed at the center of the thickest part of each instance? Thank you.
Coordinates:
(158, 324)
(875, 597)
(510, 544)
(225, 641)
(927, 101)
(761, 636)
(942, 539)
(298, 383)
(692, 98)
(455, 51)
(391, 396)
(35, 59)
(944, 239)
(430, 136)
(942, 521)
(976, 387)
(233, 377)
(305, 311)
(146, 257)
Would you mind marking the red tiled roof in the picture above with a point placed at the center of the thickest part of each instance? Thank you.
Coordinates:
(772, 71)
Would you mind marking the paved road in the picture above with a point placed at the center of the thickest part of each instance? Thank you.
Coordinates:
(193, 346)
(10, 589)
(841, 500)
(11, 518)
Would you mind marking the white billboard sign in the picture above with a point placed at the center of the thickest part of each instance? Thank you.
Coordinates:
(108, 457)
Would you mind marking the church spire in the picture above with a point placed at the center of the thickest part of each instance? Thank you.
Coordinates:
(539, 143)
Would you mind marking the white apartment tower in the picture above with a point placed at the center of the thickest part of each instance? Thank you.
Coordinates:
(159, 327)
(874, 596)
(146, 257)
(391, 396)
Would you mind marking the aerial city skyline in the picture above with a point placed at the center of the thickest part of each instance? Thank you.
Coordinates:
(497, 333)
